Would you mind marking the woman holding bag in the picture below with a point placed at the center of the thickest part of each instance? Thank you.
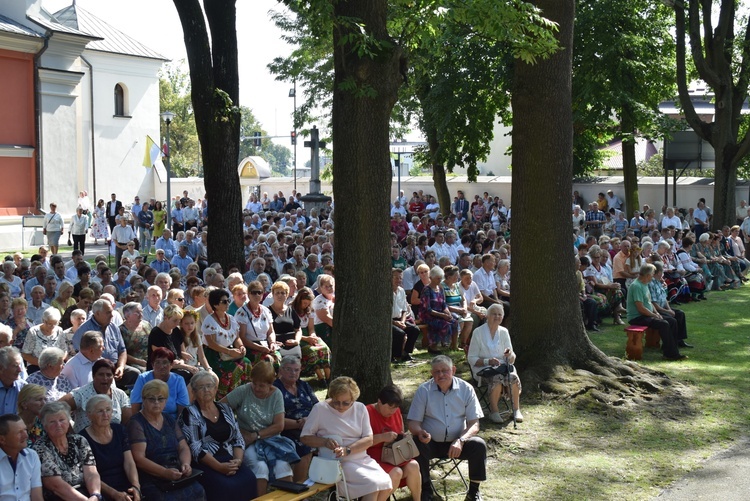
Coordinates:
(387, 426)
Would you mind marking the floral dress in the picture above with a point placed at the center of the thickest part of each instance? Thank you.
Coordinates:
(100, 228)
(67, 466)
(313, 357)
(231, 373)
(136, 342)
(297, 407)
(438, 330)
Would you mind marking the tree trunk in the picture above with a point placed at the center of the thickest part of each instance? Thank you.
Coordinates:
(725, 181)
(441, 188)
(362, 174)
(629, 167)
(214, 79)
(543, 163)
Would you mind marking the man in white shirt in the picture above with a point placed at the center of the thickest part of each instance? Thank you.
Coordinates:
(670, 219)
(486, 281)
(78, 368)
(398, 209)
(441, 248)
(613, 200)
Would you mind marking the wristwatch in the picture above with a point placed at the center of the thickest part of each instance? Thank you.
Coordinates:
(348, 451)
(98, 496)
(462, 440)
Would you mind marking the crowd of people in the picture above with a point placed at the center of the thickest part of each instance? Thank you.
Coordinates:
(194, 375)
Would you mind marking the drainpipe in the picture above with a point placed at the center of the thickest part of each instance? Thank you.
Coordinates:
(93, 143)
(38, 120)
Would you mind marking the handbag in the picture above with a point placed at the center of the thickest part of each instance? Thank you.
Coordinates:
(325, 471)
(400, 450)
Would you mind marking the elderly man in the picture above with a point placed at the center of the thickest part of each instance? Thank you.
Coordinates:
(595, 219)
(182, 260)
(166, 243)
(620, 273)
(121, 235)
(11, 367)
(444, 418)
(160, 264)
(152, 310)
(36, 306)
(641, 311)
(78, 368)
(20, 468)
(114, 346)
(40, 273)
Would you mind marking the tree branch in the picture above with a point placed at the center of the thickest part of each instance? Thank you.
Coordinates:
(221, 13)
(705, 70)
(699, 126)
(739, 90)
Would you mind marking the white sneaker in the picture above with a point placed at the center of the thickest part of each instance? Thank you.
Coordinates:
(495, 417)
(518, 416)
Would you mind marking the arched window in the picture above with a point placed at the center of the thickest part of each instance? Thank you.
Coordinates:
(119, 100)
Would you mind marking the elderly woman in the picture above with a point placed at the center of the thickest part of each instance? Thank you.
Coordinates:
(168, 335)
(135, 332)
(260, 412)
(160, 450)
(15, 284)
(339, 427)
(51, 361)
(68, 465)
(286, 322)
(473, 298)
(216, 443)
(6, 314)
(42, 336)
(18, 322)
(31, 399)
(457, 305)
(256, 327)
(423, 272)
(596, 275)
(316, 356)
(239, 298)
(387, 425)
(441, 325)
(222, 344)
(162, 361)
(64, 298)
(111, 447)
(323, 307)
(103, 372)
(299, 399)
(491, 347)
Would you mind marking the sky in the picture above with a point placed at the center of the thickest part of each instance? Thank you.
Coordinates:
(155, 24)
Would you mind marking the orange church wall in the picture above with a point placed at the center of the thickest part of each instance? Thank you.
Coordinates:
(17, 174)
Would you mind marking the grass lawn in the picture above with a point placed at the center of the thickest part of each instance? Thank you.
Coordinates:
(584, 449)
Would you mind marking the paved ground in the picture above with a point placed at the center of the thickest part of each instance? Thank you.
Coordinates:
(725, 476)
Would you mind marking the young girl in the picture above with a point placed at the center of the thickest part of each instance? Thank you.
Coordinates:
(192, 344)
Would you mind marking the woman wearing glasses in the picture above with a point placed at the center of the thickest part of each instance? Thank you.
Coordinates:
(340, 427)
(256, 327)
(223, 346)
(160, 450)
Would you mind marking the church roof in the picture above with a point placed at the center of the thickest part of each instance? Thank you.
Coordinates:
(10, 26)
(112, 39)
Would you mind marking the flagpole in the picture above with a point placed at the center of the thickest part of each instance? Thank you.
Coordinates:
(167, 116)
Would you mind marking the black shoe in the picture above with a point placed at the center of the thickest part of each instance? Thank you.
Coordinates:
(702, 297)
(683, 344)
(434, 351)
(477, 496)
(675, 358)
(592, 327)
(407, 358)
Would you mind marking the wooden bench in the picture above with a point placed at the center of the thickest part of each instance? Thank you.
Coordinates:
(279, 495)
(634, 344)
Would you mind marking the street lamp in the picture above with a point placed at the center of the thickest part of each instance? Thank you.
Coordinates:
(293, 94)
(167, 116)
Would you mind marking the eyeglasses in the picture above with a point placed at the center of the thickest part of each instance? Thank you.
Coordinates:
(337, 403)
(205, 387)
(256, 293)
(179, 299)
(156, 400)
(292, 369)
(224, 301)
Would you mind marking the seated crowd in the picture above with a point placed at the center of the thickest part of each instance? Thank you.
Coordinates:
(180, 381)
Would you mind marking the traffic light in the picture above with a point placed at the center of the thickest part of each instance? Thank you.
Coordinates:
(294, 137)
(256, 139)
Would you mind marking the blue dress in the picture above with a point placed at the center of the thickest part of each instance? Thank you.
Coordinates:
(110, 459)
(297, 407)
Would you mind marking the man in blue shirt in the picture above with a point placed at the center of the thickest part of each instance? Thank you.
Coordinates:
(181, 260)
(20, 468)
(160, 264)
(114, 346)
(166, 243)
(11, 367)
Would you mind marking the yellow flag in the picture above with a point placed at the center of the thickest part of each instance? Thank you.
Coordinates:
(152, 153)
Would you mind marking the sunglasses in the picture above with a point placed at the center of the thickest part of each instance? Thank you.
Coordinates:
(256, 293)
(224, 301)
(179, 299)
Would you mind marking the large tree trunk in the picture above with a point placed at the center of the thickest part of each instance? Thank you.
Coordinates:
(629, 166)
(725, 182)
(362, 175)
(543, 163)
(214, 79)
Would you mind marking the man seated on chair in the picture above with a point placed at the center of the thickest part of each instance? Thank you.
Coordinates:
(444, 417)
(491, 347)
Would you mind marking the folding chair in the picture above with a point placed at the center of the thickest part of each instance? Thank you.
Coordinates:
(448, 466)
(482, 391)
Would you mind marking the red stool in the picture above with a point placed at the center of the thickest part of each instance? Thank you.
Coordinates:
(634, 345)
